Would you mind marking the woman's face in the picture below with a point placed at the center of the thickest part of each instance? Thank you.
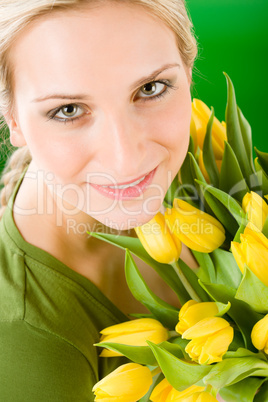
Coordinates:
(102, 99)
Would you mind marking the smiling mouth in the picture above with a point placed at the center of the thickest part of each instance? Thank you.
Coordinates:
(127, 190)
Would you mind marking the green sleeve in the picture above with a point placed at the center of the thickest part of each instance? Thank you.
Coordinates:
(38, 366)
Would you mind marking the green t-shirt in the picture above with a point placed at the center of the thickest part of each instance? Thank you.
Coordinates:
(50, 317)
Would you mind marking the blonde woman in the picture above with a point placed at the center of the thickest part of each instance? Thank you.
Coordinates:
(96, 95)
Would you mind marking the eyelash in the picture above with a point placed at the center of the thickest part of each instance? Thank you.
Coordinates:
(52, 114)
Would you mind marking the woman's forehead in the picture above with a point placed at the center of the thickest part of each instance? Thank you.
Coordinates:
(112, 41)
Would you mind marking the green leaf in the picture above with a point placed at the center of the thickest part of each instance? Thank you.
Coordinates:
(242, 391)
(179, 373)
(193, 280)
(225, 199)
(246, 135)
(230, 371)
(234, 133)
(262, 177)
(262, 395)
(197, 175)
(262, 160)
(208, 154)
(185, 173)
(240, 231)
(138, 354)
(212, 205)
(164, 270)
(227, 270)
(237, 342)
(191, 196)
(253, 292)
(223, 308)
(233, 184)
(242, 352)
(176, 349)
(206, 272)
(182, 343)
(240, 312)
(185, 170)
(165, 313)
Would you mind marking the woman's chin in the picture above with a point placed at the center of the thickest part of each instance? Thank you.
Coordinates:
(120, 220)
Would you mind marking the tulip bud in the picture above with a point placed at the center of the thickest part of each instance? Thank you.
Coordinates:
(164, 392)
(259, 334)
(196, 229)
(253, 251)
(135, 333)
(158, 241)
(256, 208)
(200, 117)
(192, 312)
(210, 339)
(128, 383)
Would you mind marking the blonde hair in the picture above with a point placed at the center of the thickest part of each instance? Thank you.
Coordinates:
(17, 14)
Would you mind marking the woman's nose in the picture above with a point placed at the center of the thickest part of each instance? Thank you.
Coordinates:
(124, 144)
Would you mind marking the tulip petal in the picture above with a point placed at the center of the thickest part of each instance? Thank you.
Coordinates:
(206, 327)
(194, 313)
(206, 397)
(130, 381)
(259, 334)
(161, 391)
(216, 346)
(186, 395)
(238, 255)
(158, 241)
(138, 325)
(197, 229)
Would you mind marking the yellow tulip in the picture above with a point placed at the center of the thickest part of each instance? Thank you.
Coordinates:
(158, 241)
(164, 392)
(128, 383)
(202, 166)
(256, 208)
(192, 312)
(253, 251)
(210, 339)
(135, 333)
(200, 118)
(161, 391)
(259, 334)
(196, 229)
(203, 397)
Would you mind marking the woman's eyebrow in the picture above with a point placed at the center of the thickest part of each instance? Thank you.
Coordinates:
(138, 83)
(154, 74)
(60, 96)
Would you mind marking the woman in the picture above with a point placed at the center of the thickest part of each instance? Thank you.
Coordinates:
(96, 95)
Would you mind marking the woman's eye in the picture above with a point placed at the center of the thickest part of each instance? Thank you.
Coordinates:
(67, 113)
(152, 89)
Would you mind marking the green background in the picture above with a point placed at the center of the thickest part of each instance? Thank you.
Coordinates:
(233, 37)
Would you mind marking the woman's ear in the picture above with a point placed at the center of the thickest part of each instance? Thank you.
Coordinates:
(16, 136)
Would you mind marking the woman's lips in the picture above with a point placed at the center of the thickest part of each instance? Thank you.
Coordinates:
(126, 191)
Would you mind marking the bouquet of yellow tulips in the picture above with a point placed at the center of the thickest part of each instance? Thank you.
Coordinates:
(215, 343)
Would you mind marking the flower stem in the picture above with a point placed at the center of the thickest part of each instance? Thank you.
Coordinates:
(185, 282)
